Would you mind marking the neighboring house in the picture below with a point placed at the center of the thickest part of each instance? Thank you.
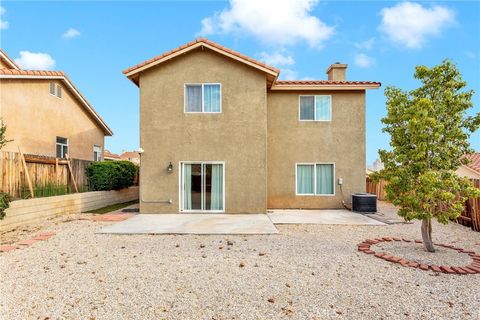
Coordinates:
(45, 114)
(471, 170)
(107, 155)
(221, 133)
(132, 156)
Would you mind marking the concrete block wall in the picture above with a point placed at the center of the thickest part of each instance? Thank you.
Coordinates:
(23, 212)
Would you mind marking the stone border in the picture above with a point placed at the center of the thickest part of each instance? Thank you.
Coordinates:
(25, 243)
(472, 268)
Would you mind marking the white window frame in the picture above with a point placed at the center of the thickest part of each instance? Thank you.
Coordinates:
(314, 164)
(315, 107)
(59, 91)
(61, 144)
(203, 102)
(99, 152)
(180, 186)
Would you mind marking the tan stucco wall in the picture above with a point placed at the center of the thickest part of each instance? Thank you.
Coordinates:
(341, 141)
(34, 119)
(236, 136)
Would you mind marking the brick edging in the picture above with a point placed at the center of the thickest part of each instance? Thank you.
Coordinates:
(25, 243)
(472, 268)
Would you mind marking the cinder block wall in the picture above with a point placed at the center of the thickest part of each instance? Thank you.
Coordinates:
(34, 210)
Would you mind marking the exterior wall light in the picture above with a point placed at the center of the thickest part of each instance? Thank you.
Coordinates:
(170, 168)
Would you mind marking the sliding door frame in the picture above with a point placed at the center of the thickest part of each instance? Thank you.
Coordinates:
(181, 173)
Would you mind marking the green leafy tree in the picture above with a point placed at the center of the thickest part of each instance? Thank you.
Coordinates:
(430, 131)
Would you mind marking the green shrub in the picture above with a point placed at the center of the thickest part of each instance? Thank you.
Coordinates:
(111, 175)
(5, 199)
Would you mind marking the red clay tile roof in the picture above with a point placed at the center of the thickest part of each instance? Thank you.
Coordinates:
(59, 75)
(324, 82)
(108, 154)
(9, 61)
(130, 154)
(31, 72)
(474, 161)
(206, 41)
(253, 61)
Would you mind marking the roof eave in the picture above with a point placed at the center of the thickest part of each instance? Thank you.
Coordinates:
(132, 72)
(293, 87)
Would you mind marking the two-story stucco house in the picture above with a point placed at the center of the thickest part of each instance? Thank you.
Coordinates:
(47, 115)
(221, 133)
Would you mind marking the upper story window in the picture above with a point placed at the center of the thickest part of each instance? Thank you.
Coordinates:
(97, 153)
(62, 147)
(55, 90)
(315, 108)
(52, 88)
(203, 97)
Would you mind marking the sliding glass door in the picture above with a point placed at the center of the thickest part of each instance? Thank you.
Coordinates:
(202, 186)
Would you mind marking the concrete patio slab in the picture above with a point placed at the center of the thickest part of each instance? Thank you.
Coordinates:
(339, 216)
(193, 224)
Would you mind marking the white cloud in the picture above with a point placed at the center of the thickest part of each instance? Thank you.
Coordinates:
(288, 74)
(365, 45)
(71, 33)
(277, 59)
(363, 61)
(35, 61)
(3, 23)
(410, 24)
(278, 22)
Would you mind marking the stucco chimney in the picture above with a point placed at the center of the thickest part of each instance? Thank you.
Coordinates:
(337, 71)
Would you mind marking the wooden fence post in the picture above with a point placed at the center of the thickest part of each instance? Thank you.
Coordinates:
(71, 173)
(27, 175)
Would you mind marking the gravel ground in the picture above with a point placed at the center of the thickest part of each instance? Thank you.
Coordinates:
(416, 252)
(305, 272)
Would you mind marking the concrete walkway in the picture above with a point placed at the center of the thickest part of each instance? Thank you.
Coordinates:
(339, 216)
(193, 224)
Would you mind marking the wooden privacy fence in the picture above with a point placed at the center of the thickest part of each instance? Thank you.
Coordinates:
(45, 173)
(470, 216)
(377, 188)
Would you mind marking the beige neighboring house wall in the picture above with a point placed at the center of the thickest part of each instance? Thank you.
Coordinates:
(257, 135)
(340, 141)
(35, 118)
(132, 156)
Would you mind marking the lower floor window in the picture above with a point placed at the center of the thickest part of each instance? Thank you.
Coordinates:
(202, 187)
(97, 153)
(315, 179)
(61, 147)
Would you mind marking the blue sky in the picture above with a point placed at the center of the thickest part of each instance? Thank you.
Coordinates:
(380, 40)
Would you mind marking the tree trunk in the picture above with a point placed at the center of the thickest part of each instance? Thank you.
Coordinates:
(427, 234)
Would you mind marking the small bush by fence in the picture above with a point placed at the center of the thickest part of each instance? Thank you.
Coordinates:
(470, 216)
(111, 175)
